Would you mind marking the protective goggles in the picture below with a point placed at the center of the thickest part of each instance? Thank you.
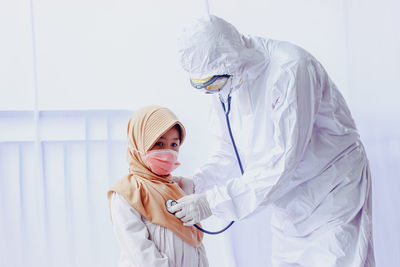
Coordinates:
(211, 84)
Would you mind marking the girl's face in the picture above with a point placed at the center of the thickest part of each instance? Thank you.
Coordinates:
(169, 140)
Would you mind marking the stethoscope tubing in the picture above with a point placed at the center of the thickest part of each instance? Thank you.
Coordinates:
(237, 157)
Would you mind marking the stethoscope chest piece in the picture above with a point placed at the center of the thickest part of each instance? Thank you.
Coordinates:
(169, 203)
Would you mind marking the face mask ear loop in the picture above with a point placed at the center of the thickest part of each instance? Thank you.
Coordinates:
(134, 149)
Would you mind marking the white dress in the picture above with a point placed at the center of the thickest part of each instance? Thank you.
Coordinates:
(146, 244)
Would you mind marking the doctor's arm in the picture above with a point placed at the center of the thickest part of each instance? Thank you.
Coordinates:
(133, 236)
(293, 110)
(296, 98)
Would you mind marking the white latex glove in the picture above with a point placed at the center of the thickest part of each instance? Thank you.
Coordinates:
(186, 184)
(191, 209)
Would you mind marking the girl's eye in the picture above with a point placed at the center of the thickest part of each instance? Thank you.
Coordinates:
(174, 145)
(159, 144)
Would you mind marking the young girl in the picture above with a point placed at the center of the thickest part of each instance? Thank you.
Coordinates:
(147, 233)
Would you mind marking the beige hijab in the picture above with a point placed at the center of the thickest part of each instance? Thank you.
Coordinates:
(144, 190)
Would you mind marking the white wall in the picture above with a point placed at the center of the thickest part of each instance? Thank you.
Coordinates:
(120, 54)
(16, 75)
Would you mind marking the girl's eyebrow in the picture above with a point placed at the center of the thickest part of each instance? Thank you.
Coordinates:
(175, 138)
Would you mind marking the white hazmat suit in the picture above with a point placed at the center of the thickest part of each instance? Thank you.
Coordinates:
(298, 144)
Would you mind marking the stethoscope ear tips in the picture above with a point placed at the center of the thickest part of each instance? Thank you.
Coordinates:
(169, 203)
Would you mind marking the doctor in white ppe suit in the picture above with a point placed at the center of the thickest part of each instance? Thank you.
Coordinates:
(286, 139)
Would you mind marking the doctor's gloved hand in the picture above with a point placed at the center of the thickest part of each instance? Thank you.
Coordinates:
(192, 209)
(186, 184)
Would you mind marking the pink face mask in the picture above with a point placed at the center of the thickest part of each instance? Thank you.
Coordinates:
(162, 161)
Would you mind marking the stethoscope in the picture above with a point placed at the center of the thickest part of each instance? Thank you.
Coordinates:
(169, 203)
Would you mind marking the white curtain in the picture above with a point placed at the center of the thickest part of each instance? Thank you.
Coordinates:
(53, 205)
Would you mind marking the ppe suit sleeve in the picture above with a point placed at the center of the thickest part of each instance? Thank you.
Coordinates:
(222, 164)
(294, 103)
(133, 236)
